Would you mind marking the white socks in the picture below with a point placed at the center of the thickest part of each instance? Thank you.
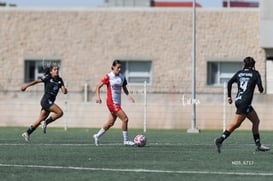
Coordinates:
(125, 135)
(101, 132)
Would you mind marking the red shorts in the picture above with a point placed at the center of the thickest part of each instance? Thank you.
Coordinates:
(113, 108)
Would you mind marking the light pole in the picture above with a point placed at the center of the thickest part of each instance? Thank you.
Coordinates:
(193, 128)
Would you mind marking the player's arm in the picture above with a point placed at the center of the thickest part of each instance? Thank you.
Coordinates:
(229, 99)
(24, 87)
(259, 83)
(229, 87)
(125, 90)
(98, 99)
(64, 89)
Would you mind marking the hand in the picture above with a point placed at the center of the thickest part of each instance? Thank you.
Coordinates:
(23, 88)
(98, 100)
(229, 99)
(64, 90)
(131, 98)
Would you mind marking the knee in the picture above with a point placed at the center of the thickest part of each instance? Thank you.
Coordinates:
(126, 120)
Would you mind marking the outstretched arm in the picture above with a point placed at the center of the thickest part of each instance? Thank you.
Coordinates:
(24, 87)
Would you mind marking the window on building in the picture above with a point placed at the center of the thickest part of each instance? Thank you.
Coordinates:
(137, 72)
(220, 72)
(34, 68)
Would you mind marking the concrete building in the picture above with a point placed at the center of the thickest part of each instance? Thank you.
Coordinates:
(155, 45)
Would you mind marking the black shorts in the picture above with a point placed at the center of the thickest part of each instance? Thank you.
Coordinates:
(243, 108)
(46, 103)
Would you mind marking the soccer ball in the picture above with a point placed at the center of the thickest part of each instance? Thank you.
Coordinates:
(140, 140)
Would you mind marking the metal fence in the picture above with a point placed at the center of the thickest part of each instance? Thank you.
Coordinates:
(152, 110)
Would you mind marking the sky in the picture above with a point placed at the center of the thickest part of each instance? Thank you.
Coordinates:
(88, 3)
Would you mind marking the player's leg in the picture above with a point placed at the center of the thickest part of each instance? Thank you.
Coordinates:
(236, 123)
(109, 123)
(124, 118)
(253, 117)
(43, 115)
(57, 113)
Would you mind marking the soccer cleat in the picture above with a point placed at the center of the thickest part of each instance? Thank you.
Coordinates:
(218, 145)
(129, 143)
(96, 140)
(262, 148)
(26, 136)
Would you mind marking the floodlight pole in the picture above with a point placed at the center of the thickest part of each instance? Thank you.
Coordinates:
(193, 128)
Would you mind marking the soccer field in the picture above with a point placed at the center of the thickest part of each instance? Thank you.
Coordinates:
(168, 155)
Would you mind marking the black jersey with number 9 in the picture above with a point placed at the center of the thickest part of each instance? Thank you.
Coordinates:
(246, 80)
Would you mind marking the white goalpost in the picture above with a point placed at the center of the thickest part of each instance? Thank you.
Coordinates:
(224, 106)
(145, 108)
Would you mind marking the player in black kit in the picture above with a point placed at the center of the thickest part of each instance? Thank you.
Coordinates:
(246, 80)
(53, 82)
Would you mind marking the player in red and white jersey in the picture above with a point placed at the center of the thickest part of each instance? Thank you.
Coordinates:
(115, 82)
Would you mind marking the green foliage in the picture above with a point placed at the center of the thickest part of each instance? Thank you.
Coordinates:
(3, 4)
(168, 155)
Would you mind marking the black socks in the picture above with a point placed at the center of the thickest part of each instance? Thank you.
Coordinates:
(30, 129)
(49, 120)
(257, 139)
(224, 136)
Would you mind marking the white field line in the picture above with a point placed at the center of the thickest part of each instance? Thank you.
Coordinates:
(113, 144)
(139, 170)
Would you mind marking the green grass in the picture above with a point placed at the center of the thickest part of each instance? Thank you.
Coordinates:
(168, 155)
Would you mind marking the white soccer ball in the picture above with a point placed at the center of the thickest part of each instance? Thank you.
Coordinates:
(140, 140)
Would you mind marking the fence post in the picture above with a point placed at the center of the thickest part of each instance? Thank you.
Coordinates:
(145, 107)
(85, 93)
(225, 107)
(66, 109)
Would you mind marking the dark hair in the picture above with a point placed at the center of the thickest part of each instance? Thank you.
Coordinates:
(249, 62)
(115, 62)
(47, 69)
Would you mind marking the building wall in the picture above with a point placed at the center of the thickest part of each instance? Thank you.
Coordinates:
(87, 41)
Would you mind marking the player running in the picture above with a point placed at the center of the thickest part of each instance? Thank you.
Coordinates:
(246, 80)
(115, 81)
(53, 82)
